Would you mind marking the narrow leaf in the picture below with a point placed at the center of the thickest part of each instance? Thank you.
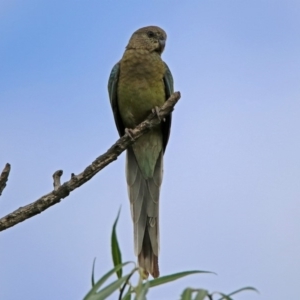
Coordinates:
(108, 290)
(93, 272)
(226, 297)
(172, 277)
(201, 295)
(100, 282)
(126, 283)
(143, 292)
(248, 288)
(115, 249)
(187, 294)
(127, 295)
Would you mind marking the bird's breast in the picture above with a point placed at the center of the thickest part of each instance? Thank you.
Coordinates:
(141, 85)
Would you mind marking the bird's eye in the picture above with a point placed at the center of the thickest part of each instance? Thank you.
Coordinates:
(150, 34)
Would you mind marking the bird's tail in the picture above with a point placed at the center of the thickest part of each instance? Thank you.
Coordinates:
(144, 203)
(147, 259)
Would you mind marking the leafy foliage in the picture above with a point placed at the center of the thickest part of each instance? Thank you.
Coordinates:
(139, 291)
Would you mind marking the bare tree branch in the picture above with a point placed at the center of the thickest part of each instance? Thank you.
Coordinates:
(4, 177)
(62, 191)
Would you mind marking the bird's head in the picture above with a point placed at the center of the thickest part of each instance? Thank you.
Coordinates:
(151, 38)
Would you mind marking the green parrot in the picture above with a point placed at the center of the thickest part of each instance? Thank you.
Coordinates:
(138, 84)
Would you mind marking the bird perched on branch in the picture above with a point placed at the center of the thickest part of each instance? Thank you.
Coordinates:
(138, 84)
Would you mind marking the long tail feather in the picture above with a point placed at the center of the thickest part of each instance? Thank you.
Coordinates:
(144, 202)
(147, 259)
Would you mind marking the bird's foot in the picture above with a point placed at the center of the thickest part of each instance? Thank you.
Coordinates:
(129, 132)
(155, 110)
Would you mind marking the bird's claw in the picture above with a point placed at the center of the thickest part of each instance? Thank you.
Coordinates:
(129, 132)
(155, 110)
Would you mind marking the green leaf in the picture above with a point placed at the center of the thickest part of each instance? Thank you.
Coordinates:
(187, 294)
(201, 295)
(108, 290)
(248, 288)
(101, 281)
(172, 277)
(93, 272)
(127, 295)
(115, 249)
(143, 292)
(226, 297)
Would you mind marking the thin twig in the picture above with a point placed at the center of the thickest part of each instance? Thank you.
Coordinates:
(97, 165)
(56, 179)
(4, 177)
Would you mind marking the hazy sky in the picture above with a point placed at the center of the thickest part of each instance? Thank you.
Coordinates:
(230, 200)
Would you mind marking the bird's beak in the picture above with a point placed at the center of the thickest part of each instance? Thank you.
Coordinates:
(162, 43)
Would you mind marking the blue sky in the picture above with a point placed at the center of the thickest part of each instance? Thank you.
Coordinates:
(230, 200)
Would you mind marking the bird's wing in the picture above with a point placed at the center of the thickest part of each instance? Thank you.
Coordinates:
(112, 91)
(169, 90)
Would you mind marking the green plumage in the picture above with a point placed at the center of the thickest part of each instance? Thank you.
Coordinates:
(140, 89)
(138, 83)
